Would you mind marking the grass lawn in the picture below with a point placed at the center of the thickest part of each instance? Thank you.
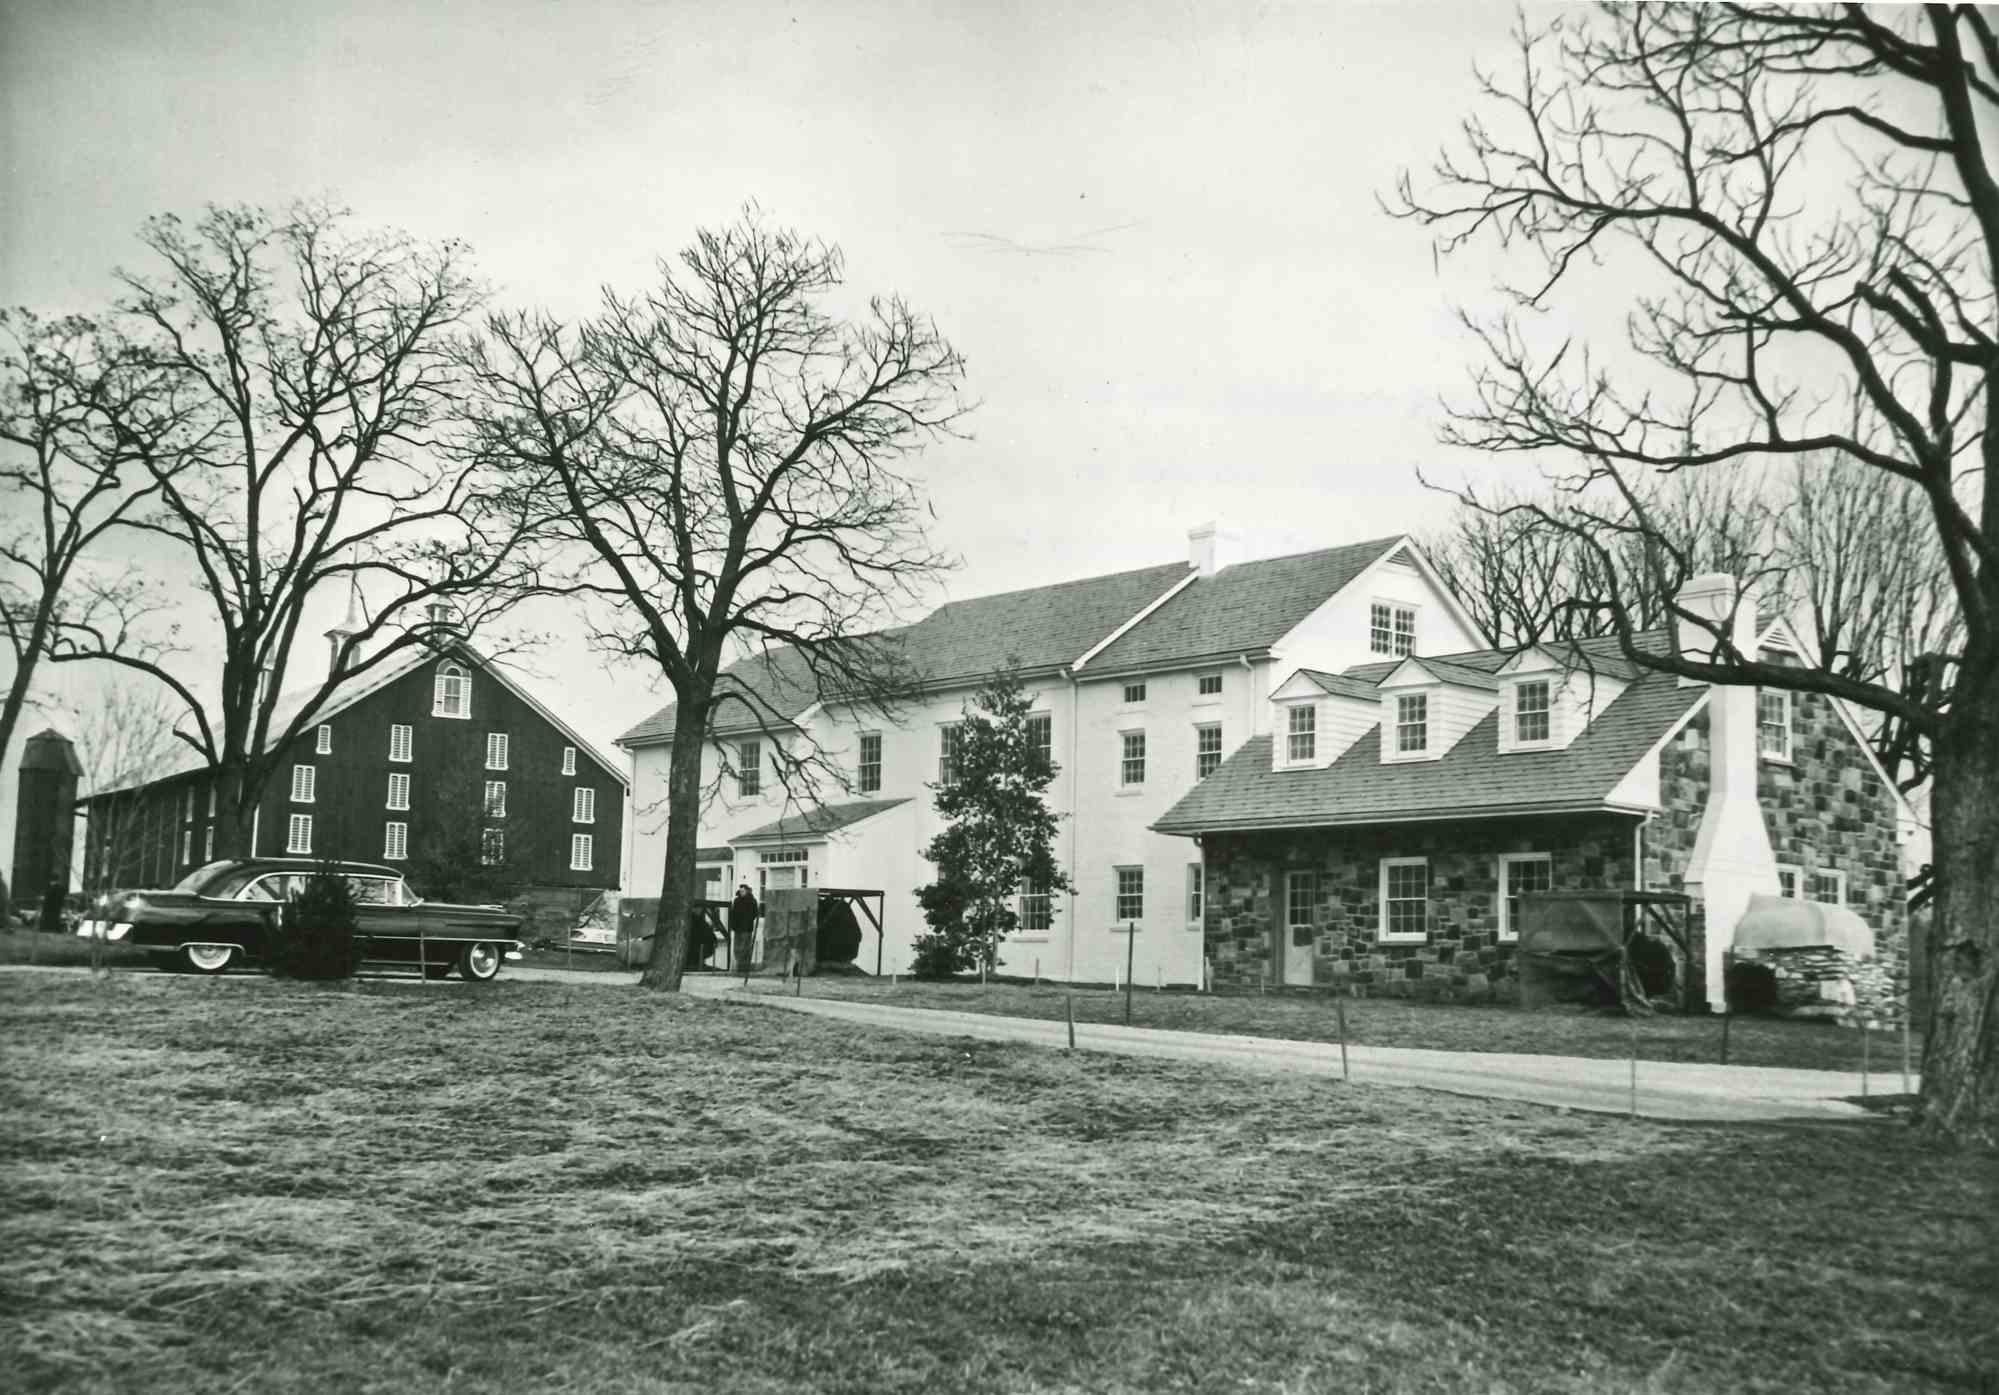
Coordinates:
(1753, 1041)
(18, 946)
(240, 1184)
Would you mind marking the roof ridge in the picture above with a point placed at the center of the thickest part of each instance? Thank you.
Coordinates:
(1383, 544)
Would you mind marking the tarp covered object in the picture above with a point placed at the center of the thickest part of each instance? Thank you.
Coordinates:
(1570, 950)
(1777, 922)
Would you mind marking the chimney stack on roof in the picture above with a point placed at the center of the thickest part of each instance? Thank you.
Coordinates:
(1725, 604)
(1211, 548)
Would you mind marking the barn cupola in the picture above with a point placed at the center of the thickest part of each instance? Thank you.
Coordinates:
(340, 639)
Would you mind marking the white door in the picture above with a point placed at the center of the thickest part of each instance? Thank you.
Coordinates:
(1295, 928)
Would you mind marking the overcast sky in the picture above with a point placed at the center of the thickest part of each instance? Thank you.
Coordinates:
(1152, 229)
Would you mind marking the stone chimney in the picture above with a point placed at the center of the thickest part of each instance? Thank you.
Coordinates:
(340, 651)
(1210, 548)
(1732, 858)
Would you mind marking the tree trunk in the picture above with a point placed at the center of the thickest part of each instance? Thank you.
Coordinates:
(683, 833)
(1960, 1097)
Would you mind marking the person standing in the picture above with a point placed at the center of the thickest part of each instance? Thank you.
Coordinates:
(743, 913)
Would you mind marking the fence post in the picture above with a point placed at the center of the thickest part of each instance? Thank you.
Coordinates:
(1340, 1012)
(1069, 1010)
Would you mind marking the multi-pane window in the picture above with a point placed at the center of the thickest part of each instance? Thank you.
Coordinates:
(1391, 629)
(1405, 896)
(1041, 735)
(1036, 905)
(395, 841)
(298, 834)
(305, 780)
(451, 692)
(1519, 874)
(750, 768)
(1530, 711)
(1773, 723)
(1787, 882)
(1130, 894)
(1207, 749)
(1134, 693)
(1412, 723)
(583, 805)
(1131, 768)
(1210, 684)
(948, 737)
(399, 791)
(569, 760)
(496, 799)
(1301, 732)
(871, 762)
(1829, 886)
(1301, 893)
(496, 750)
(1195, 877)
(323, 743)
(399, 742)
(581, 846)
(492, 845)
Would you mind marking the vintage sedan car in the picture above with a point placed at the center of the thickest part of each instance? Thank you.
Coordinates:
(224, 914)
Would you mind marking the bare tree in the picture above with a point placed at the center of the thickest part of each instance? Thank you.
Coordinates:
(82, 418)
(314, 371)
(1800, 206)
(123, 731)
(714, 462)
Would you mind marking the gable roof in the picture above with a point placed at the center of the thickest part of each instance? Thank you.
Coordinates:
(1445, 671)
(1339, 685)
(819, 821)
(1600, 655)
(1247, 607)
(1471, 779)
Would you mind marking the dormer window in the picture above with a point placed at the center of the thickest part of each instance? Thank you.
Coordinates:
(1392, 629)
(451, 692)
(1531, 712)
(1412, 724)
(1302, 734)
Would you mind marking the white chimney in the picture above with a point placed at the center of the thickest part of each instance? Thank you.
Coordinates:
(1732, 858)
(1211, 548)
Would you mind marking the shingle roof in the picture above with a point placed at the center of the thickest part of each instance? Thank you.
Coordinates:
(1249, 606)
(1464, 675)
(818, 822)
(1472, 777)
(1339, 685)
(1043, 627)
(1602, 655)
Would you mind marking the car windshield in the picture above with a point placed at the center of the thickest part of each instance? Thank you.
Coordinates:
(199, 877)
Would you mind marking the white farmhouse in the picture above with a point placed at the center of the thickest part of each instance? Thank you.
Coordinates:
(1143, 683)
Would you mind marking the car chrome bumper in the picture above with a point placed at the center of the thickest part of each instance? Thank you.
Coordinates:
(103, 929)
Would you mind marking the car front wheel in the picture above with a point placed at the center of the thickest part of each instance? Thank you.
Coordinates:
(207, 959)
(479, 962)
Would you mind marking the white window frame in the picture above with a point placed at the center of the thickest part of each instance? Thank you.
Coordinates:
(582, 852)
(1838, 876)
(1408, 937)
(1208, 684)
(948, 737)
(1121, 899)
(492, 846)
(398, 796)
(497, 750)
(1032, 905)
(323, 741)
(1131, 758)
(1546, 712)
(1797, 876)
(305, 784)
(496, 799)
(1421, 726)
(749, 769)
(1301, 739)
(395, 841)
(298, 834)
(441, 694)
(1042, 725)
(1508, 931)
(402, 737)
(868, 773)
(1309, 880)
(583, 804)
(569, 760)
(1134, 694)
(1386, 632)
(1207, 761)
(1783, 697)
(1197, 894)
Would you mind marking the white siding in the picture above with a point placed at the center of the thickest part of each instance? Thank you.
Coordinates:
(1334, 637)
